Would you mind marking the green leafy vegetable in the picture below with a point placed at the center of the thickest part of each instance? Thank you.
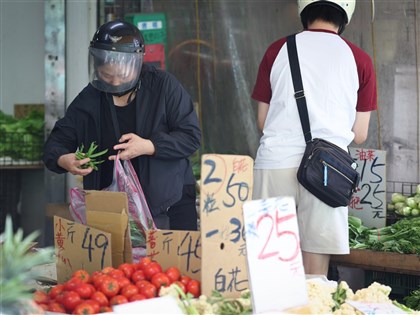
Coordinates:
(80, 155)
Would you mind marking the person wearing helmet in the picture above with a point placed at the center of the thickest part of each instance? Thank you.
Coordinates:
(141, 112)
(340, 88)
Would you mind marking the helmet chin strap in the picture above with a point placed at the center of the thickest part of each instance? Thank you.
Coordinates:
(131, 91)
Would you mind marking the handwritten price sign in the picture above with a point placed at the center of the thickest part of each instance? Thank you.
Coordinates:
(78, 246)
(226, 183)
(369, 204)
(176, 248)
(277, 277)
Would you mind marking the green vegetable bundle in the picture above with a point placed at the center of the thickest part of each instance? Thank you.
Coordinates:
(401, 237)
(91, 154)
(22, 138)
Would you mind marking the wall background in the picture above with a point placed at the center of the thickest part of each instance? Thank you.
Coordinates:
(214, 48)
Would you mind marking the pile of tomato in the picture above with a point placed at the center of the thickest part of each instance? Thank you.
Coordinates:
(94, 293)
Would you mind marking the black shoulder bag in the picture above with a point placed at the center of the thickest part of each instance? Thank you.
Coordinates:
(326, 170)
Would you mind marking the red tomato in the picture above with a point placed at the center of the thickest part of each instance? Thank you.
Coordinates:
(136, 297)
(173, 273)
(109, 287)
(149, 291)
(123, 281)
(107, 270)
(181, 285)
(143, 263)
(82, 275)
(105, 309)
(129, 290)
(71, 284)
(116, 273)
(127, 268)
(184, 279)
(100, 297)
(84, 308)
(141, 283)
(118, 299)
(138, 275)
(84, 290)
(95, 305)
(55, 290)
(70, 300)
(40, 297)
(95, 275)
(59, 297)
(160, 279)
(56, 307)
(152, 269)
(193, 287)
(97, 281)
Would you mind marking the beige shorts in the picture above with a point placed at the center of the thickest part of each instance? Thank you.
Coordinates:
(322, 229)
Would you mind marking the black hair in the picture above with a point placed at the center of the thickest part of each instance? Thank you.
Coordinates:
(325, 11)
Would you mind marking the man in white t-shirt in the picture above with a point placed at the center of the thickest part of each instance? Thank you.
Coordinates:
(340, 89)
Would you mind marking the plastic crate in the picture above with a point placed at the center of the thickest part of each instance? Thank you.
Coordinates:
(17, 149)
(402, 285)
(405, 188)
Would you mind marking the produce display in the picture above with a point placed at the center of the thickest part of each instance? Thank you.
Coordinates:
(94, 293)
(22, 139)
(405, 205)
(401, 237)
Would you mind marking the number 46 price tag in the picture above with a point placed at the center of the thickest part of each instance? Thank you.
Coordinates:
(276, 274)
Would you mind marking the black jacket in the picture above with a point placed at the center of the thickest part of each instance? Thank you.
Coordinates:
(165, 115)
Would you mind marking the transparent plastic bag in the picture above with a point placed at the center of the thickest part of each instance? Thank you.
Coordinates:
(124, 180)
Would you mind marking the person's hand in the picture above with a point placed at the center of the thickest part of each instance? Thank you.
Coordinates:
(70, 163)
(131, 146)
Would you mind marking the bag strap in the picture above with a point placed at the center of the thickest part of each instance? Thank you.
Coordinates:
(298, 87)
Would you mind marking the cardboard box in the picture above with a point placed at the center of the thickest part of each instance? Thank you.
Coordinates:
(104, 241)
(108, 211)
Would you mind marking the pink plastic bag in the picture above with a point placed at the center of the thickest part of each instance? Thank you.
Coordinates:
(124, 180)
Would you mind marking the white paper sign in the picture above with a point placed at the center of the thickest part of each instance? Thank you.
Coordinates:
(369, 203)
(376, 308)
(161, 305)
(276, 274)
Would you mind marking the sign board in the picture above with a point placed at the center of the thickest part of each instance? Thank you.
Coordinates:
(276, 274)
(176, 248)
(226, 183)
(369, 203)
(78, 246)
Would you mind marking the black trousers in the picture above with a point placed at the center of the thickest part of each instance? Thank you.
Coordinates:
(182, 215)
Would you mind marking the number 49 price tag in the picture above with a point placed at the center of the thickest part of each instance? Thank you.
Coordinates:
(276, 274)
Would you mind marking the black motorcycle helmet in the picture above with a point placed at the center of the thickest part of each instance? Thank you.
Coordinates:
(116, 57)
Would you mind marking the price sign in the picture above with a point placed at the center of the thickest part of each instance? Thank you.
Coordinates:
(78, 246)
(376, 308)
(369, 203)
(226, 183)
(276, 273)
(176, 248)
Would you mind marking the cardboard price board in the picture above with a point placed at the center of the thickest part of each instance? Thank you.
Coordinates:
(78, 246)
(180, 249)
(226, 183)
(276, 274)
(369, 203)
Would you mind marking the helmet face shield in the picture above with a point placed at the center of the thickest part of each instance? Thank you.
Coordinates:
(113, 71)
